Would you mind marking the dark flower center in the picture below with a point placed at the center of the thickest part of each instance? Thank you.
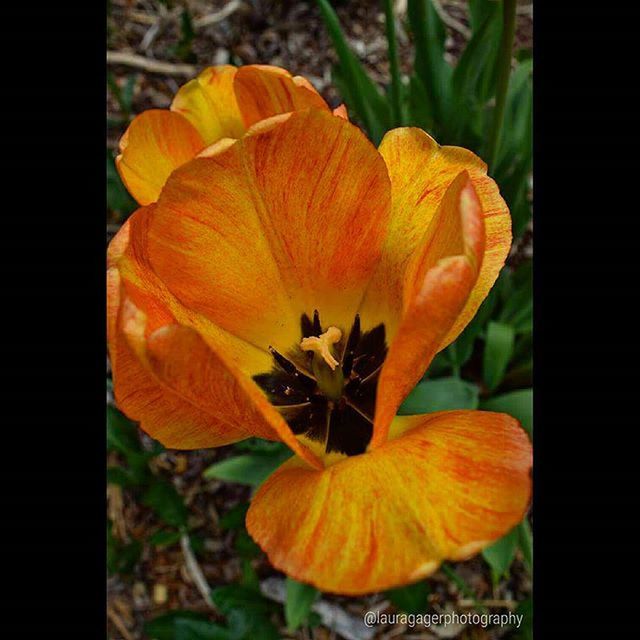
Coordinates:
(332, 406)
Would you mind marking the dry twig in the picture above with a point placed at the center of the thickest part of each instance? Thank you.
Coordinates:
(218, 16)
(150, 65)
(194, 570)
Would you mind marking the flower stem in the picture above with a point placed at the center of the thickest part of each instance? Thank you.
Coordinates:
(503, 69)
(394, 63)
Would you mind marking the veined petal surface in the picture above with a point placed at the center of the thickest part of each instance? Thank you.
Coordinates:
(450, 485)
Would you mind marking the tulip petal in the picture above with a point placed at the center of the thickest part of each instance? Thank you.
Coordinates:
(289, 219)
(210, 104)
(186, 380)
(264, 91)
(156, 143)
(439, 278)
(453, 483)
(420, 172)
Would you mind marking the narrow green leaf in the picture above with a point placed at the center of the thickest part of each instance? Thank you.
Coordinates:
(362, 93)
(300, 599)
(412, 598)
(432, 70)
(473, 79)
(502, 73)
(394, 63)
(251, 468)
(500, 554)
(440, 395)
(518, 404)
(498, 350)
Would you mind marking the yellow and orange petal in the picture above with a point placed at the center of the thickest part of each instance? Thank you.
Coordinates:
(421, 171)
(220, 103)
(451, 485)
(264, 91)
(156, 143)
(286, 220)
(185, 379)
(439, 277)
(209, 103)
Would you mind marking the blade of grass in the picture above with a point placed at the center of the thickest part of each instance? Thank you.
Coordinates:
(430, 66)
(503, 70)
(394, 62)
(369, 104)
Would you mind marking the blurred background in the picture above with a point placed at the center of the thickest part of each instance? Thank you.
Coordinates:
(181, 564)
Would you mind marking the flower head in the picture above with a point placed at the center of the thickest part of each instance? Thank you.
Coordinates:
(295, 284)
(215, 108)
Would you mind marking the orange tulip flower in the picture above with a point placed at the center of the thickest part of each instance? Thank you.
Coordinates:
(219, 105)
(295, 285)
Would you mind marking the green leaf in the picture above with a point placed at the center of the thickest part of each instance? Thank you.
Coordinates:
(122, 434)
(473, 78)
(165, 538)
(168, 504)
(235, 596)
(412, 598)
(121, 557)
(498, 350)
(118, 198)
(300, 599)
(183, 48)
(465, 342)
(249, 576)
(432, 70)
(440, 395)
(121, 477)
(234, 518)
(245, 546)
(518, 404)
(518, 307)
(500, 554)
(165, 627)
(525, 609)
(525, 542)
(359, 91)
(250, 468)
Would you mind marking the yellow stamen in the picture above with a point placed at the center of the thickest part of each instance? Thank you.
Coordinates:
(322, 345)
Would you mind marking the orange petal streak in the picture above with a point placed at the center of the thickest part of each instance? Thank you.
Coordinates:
(289, 219)
(451, 485)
